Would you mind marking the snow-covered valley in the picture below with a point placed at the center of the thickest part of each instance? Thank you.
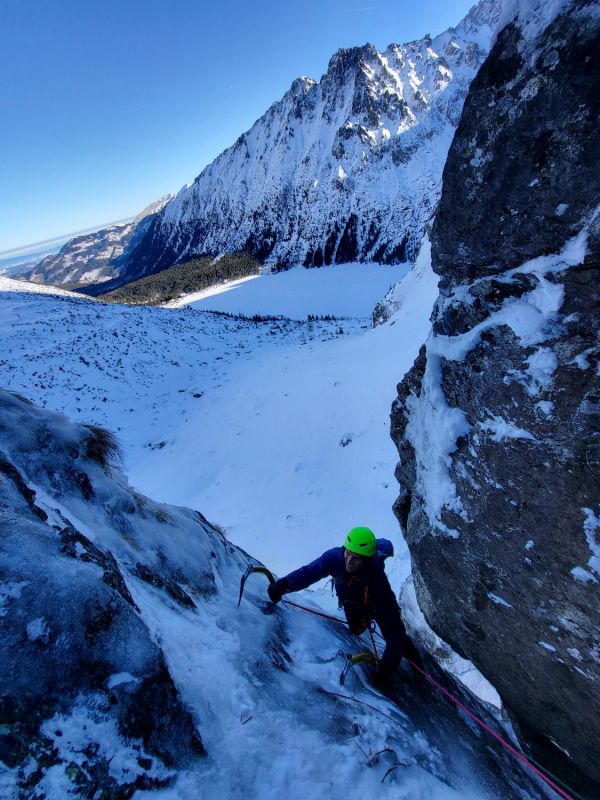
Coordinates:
(277, 430)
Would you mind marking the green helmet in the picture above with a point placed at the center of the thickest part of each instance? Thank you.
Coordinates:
(361, 541)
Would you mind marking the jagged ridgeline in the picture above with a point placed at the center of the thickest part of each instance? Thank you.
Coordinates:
(192, 276)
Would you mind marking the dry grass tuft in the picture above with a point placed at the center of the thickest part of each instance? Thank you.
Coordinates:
(103, 447)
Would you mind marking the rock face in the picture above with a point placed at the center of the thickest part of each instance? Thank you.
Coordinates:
(498, 423)
(344, 169)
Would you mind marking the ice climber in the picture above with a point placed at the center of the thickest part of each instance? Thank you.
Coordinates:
(363, 591)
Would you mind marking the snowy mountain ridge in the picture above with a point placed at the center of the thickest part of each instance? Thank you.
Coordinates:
(340, 170)
(347, 169)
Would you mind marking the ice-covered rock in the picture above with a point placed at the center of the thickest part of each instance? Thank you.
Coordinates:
(125, 663)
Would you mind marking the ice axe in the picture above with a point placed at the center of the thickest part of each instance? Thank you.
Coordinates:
(254, 568)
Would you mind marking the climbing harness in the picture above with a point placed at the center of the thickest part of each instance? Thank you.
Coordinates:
(541, 772)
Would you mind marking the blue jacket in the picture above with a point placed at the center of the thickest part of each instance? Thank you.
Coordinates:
(363, 597)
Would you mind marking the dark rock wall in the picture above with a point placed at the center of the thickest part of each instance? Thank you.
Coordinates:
(507, 566)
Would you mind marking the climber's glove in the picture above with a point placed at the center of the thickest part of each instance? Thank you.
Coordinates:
(277, 590)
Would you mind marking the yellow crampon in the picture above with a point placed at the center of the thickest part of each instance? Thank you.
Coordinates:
(351, 661)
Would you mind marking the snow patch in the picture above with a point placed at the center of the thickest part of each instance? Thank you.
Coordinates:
(546, 407)
(461, 668)
(119, 678)
(498, 600)
(531, 16)
(38, 630)
(88, 723)
(582, 359)
(344, 290)
(10, 590)
(501, 430)
(433, 430)
(591, 526)
(541, 367)
(530, 316)
(582, 575)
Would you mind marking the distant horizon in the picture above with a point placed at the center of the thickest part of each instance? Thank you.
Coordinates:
(65, 237)
(115, 107)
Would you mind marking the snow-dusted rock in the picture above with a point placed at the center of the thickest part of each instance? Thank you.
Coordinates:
(69, 622)
(497, 424)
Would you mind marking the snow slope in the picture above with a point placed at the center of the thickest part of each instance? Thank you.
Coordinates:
(278, 430)
(348, 290)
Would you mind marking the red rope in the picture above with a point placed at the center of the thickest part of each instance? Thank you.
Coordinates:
(512, 750)
(502, 741)
(317, 613)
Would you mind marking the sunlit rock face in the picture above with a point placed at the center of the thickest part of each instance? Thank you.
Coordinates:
(498, 422)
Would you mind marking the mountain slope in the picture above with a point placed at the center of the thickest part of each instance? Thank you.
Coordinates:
(346, 169)
(97, 257)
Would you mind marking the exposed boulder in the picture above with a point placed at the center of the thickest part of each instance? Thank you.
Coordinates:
(498, 423)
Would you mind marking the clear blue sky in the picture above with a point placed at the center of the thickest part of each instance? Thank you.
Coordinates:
(109, 104)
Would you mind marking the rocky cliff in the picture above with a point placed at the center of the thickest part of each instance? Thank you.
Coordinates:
(498, 422)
